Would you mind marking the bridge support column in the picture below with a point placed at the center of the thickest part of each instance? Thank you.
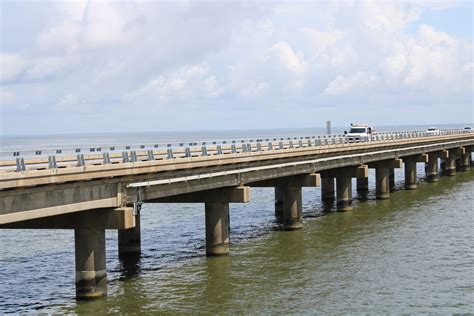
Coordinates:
(89, 241)
(363, 184)
(279, 201)
(410, 169)
(129, 240)
(344, 193)
(216, 208)
(391, 179)
(450, 166)
(382, 183)
(217, 229)
(327, 189)
(382, 176)
(344, 177)
(292, 212)
(466, 160)
(91, 272)
(410, 175)
(432, 168)
(288, 199)
(442, 166)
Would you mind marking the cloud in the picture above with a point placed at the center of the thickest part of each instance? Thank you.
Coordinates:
(284, 55)
(7, 98)
(254, 89)
(353, 84)
(11, 66)
(67, 102)
(186, 83)
(177, 56)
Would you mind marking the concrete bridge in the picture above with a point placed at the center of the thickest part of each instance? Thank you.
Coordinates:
(97, 192)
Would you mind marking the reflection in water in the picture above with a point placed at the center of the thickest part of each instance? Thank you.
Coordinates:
(129, 266)
(218, 287)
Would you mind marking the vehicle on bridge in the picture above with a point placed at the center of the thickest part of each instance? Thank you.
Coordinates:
(359, 133)
(467, 129)
(433, 131)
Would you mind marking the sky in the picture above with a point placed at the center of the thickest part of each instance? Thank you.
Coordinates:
(129, 66)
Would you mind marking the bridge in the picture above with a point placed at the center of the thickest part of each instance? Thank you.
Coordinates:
(95, 192)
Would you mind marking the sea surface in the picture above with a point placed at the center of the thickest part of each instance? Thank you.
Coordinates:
(411, 254)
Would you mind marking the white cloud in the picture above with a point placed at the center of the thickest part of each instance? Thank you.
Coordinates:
(11, 66)
(254, 89)
(353, 84)
(186, 83)
(396, 63)
(388, 16)
(322, 41)
(67, 102)
(287, 58)
(43, 68)
(434, 60)
(63, 37)
(7, 98)
(106, 24)
(182, 55)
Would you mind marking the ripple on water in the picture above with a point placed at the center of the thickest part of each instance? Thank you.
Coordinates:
(411, 254)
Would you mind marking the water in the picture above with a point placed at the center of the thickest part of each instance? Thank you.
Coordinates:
(27, 145)
(410, 254)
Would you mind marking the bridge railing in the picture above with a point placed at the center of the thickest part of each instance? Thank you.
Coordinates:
(98, 149)
(101, 156)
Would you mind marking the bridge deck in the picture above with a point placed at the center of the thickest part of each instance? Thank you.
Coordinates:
(37, 193)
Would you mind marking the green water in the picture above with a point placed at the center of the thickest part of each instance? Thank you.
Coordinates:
(410, 254)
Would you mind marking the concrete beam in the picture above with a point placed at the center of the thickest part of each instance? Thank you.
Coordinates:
(120, 218)
(443, 154)
(239, 194)
(350, 172)
(391, 163)
(416, 158)
(301, 180)
(458, 152)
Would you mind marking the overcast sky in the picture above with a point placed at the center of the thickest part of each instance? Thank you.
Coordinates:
(95, 66)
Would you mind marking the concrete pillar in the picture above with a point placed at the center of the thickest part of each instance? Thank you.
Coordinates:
(129, 240)
(442, 166)
(91, 272)
(410, 175)
(432, 168)
(466, 161)
(279, 196)
(362, 184)
(327, 189)
(382, 183)
(217, 229)
(292, 212)
(391, 178)
(450, 166)
(344, 193)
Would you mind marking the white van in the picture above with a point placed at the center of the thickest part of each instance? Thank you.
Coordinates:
(359, 133)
